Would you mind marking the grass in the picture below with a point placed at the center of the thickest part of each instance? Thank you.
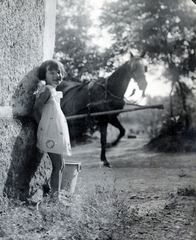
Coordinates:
(98, 214)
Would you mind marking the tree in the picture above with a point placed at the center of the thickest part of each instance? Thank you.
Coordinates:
(74, 48)
(73, 43)
(165, 30)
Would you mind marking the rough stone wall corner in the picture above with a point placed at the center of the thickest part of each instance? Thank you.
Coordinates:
(28, 35)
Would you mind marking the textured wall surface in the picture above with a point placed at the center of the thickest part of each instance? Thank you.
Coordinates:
(23, 29)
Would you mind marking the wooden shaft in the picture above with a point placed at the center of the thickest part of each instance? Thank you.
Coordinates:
(160, 106)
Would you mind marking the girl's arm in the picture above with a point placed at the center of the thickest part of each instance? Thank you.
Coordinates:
(39, 103)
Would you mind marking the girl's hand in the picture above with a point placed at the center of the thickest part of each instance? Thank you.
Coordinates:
(40, 85)
(39, 103)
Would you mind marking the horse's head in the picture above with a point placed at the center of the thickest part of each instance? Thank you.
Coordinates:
(138, 72)
(118, 81)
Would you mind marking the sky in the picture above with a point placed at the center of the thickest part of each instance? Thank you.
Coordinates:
(101, 39)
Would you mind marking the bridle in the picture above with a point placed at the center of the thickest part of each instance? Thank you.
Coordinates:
(107, 92)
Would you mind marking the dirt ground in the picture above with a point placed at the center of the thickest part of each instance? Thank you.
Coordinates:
(162, 186)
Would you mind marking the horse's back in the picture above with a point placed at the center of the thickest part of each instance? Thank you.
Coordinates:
(65, 86)
(75, 97)
(79, 98)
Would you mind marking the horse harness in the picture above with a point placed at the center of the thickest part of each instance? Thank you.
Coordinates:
(91, 84)
(107, 93)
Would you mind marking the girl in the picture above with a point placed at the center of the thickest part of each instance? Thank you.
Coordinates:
(52, 133)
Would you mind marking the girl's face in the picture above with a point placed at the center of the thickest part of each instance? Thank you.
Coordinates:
(53, 77)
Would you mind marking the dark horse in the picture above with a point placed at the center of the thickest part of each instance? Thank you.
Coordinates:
(103, 95)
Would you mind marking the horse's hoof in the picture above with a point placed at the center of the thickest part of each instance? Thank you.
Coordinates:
(107, 164)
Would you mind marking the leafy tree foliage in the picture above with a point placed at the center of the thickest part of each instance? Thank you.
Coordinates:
(73, 42)
(155, 26)
(165, 30)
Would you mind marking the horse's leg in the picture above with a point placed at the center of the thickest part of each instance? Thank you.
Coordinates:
(113, 120)
(103, 132)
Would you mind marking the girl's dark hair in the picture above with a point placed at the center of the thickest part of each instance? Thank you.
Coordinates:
(51, 65)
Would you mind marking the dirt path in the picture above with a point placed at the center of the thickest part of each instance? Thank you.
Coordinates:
(160, 185)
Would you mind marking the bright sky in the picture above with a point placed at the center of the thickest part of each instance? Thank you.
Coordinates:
(102, 38)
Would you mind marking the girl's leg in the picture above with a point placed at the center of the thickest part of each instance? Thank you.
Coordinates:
(57, 170)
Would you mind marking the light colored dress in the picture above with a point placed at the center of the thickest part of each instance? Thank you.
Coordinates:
(53, 133)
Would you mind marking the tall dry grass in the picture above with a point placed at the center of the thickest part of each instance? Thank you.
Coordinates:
(98, 214)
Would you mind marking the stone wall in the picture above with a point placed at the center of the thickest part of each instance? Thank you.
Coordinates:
(27, 39)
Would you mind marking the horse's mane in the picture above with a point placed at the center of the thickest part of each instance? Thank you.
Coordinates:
(119, 71)
(133, 65)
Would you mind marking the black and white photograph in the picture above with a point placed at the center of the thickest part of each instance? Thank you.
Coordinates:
(98, 120)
